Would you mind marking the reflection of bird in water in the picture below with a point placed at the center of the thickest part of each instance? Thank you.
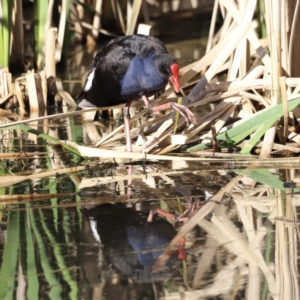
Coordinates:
(131, 244)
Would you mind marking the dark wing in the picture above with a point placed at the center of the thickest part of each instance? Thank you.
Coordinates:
(111, 63)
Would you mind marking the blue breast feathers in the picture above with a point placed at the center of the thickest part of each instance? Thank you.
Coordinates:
(141, 77)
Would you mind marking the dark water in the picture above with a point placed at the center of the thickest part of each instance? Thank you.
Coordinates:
(86, 234)
(92, 241)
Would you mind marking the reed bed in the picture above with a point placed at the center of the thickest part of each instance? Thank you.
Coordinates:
(256, 113)
(259, 98)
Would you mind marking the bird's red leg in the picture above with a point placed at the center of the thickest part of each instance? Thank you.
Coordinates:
(129, 182)
(147, 102)
(126, 114)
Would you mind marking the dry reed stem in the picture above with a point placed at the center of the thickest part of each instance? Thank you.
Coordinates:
(160, 134)
(253, 285)
(32, 91)
(91, 131)
(96, 181)
(212, 27)
(273, 15)
(104, 153)
(247, 84)
(120, 16)
(232, 10)
(113, 133)
(68, 99)
(276, 146)
(227, 26)
(57, 116)
(97, 19)
(49, 15)
(5, 98)
(260, 203)
(61, 30)
(205, 61)
(283, 274)
(151, 139)
(236, 35)
(104, 31)
(50, 48)
(241, 50)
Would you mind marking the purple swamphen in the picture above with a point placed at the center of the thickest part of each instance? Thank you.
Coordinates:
(129, 68)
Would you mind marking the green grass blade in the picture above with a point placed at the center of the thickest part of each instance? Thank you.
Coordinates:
(265, 177)
(10, 256)
(40, 18)
(179, 205)
(31, 269)
(54, 284)
(77, 133)
(60, 259)
(45, 136)
(265, 118)
(256, 137)
(5, 30)
(177, 115)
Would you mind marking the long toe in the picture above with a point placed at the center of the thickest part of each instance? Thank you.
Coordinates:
(185, 112)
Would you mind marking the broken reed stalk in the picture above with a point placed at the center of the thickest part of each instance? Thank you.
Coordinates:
(273, 22)
(64, 16)
(32, 91)
(7, 90)
(50, 64)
